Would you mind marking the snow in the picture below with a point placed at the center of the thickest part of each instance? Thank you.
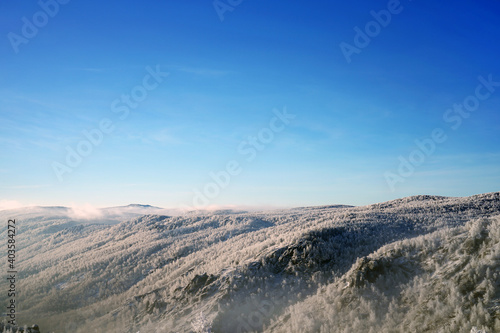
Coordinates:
(295, 270)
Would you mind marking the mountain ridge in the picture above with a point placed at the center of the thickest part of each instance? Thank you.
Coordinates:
(167, 269)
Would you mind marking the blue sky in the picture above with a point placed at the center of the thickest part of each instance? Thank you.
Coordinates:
(353, 122)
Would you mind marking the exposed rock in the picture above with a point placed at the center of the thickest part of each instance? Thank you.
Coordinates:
(368, 270)
(198, 282)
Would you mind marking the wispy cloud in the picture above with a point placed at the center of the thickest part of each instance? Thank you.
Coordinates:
(89, 69)
(84, 212)
(203, 71)
(163, 136)
(33, 135)
(24, 187)
(470, 157)
(10, 204)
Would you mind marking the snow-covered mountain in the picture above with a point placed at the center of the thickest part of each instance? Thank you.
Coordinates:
(417, 264)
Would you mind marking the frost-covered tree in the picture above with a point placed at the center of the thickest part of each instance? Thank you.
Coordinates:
(201, 324)
(257, 268)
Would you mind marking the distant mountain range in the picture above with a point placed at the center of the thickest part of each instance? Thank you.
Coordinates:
(416, 264)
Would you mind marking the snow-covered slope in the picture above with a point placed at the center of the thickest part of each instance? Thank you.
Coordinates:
(446, 281)
(265, 271)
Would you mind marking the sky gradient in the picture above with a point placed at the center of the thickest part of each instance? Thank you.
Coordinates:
(214, 130)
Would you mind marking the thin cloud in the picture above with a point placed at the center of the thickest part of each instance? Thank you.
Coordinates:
(163, 136)
(84, 212)
(10, 204)
(89, 69)
(23, 187)
(204, 71)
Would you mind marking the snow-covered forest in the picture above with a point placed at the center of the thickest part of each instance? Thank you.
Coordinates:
(417, 264)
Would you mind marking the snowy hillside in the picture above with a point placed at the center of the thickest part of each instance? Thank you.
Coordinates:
(417, 264)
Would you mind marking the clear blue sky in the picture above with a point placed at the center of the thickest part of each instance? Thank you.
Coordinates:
(353, 120)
